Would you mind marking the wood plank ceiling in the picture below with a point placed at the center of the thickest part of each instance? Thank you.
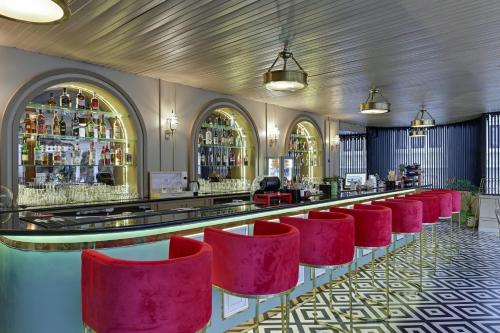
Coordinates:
(442, 53)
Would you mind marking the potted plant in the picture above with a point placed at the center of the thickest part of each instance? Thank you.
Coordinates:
(470, 195)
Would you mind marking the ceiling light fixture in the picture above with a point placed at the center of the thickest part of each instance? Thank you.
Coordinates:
(285, 79)
(375, 103)
(35, 11)
(422, 121)
(414, 133)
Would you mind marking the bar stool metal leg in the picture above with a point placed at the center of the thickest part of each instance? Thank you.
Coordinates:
(256, 318)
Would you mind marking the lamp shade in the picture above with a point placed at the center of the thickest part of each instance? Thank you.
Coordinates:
(35, 11)
(375, 103)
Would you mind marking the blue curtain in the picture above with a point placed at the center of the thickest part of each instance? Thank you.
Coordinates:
(448, 151)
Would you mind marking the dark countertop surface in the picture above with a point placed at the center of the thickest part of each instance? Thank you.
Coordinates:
(137, 215)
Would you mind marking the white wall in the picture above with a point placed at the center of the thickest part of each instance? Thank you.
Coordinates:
(154, 98)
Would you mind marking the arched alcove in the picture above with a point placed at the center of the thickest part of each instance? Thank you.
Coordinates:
(116, 112)
(231, 150)
(304, 143)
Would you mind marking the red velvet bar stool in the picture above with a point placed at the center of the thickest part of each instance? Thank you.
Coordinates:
(373, 230)
(430, 218)
(407, 218)
(127, 296)
(456, 203)
(326, 241)
(259, 266)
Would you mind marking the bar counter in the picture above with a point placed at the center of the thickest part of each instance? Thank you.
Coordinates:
(40, 253)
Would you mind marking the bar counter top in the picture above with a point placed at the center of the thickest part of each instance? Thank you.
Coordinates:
(145, 218)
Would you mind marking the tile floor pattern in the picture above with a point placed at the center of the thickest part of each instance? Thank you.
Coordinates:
(460, 297)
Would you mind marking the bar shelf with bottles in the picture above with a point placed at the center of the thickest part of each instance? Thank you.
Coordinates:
(223, 150)
(305, 148)
(75, 140)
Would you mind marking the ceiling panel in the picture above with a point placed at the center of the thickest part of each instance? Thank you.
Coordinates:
(441, 53)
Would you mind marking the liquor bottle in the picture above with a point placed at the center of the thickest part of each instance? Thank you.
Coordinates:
(216, 138)
(62, 125)
(44, 159)
(94, 102)
(118, 155)
(218, 159)
(200, 139)
(51, 101)
(57, 156)
(238, 159)
(56, 128)
(245, 159)
(24, 154)
(208, 136)
(117, 131)
(82, 127)
(210, 121)
(210, 160)
(232, 159)
(107, 153)
(102, 159)
(203, 158)
(225, 158)
(112, 155)
(237, 141)
(80, 100)
(64, 100)
(38, 153)
(108, 131)
(40, 122)
(128, 155)
(231, 139)
(102, 128)
(77, 155)
(75, 125)
(92, 153)
(27, 123)
(69, 157)
(90, 129)
(223, 138)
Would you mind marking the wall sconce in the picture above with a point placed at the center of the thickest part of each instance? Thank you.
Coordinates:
(171, 124)
(335, 141)
(274, 136)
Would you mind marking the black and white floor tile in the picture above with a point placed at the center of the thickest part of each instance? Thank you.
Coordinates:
(460, 297)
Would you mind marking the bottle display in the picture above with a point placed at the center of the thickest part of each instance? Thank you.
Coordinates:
(224, 153)
(68, 145)
(305, 147)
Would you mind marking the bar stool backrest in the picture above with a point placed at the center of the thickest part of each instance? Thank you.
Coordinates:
(126, 296)
(407, 215)
(266, 263)
(324, 241)
(372, 224)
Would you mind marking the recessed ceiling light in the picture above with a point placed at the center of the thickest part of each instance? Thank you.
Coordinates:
(35, 11)
(375, 103)
(421, 120)
(285, 79)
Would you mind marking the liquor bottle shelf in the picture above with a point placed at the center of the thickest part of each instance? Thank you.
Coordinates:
(205, 145)
(71, 138)
(33, 107)
(76, 165)
(216, 126)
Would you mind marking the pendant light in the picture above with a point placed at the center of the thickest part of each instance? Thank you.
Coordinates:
(421, 120)
(35, 11)
(375, 103)
(414, 133)
(285, 79)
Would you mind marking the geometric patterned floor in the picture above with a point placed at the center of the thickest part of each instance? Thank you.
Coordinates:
(460, 297)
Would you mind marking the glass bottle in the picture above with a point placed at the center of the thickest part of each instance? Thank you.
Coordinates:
(62, 126)
(75, 125)
(56, 128)
(117, 130)
(90, 129)
(94, 102)
(128, 155)
(27, 123)
(77, 155)
(38, 153)
(118, 155)
(200, 139)
(44, 159)
(64, 100)
(102, 160)
(24, 153)
(107, 152)
(92, 153)
(216, 138)
(82, 127)
(112, 154)
(57, 156)
(245, 159)
(202, 158)
(80, 100)
(102, 128)
(218, 158)
(40, 122)
(51, 101)
(208, 136)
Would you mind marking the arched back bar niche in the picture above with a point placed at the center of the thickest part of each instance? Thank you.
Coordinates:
(225, 148)
(94, 154)
(304, 143)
